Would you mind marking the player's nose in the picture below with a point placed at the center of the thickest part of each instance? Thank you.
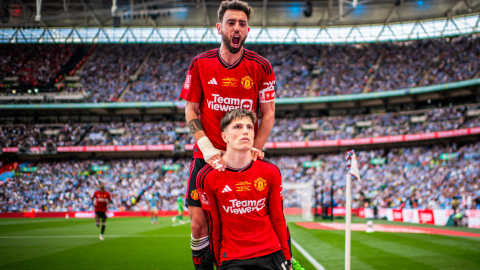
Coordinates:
(236, 29)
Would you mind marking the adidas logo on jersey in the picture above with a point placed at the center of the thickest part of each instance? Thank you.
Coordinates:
(213, 81)
(226, 189)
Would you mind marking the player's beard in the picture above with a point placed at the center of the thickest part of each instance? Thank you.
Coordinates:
(227, 41)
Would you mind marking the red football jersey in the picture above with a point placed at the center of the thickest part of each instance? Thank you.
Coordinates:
(220, 88)
(101, 200)
(244, 211)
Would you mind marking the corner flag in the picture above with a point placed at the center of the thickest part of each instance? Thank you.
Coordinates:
(352, 164)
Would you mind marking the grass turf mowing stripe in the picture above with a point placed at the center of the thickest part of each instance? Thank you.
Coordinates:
(307, 256)
(390, 250)
(386, 228)
(401, 246)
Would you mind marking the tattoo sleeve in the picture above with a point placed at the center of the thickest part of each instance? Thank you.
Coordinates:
(195, 125)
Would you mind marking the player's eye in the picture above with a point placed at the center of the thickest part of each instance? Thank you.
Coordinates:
(250, 127)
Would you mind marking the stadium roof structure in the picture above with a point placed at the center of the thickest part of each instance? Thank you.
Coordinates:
(324, 21)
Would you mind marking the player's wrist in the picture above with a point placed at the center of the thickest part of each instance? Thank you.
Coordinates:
(207, 148)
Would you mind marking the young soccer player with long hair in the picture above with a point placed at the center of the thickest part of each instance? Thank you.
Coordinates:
(244, 204)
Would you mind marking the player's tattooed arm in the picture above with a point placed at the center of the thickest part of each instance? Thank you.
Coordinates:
(192, 113)
(195, 125)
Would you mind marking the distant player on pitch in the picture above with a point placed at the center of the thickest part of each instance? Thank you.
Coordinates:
(179, 217)
(244, 204)
(100, 199)
(153, 201)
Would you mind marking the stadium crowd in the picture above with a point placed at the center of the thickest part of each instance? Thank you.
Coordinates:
(163, 75)
(418, 177)
(68, 185)
(38, 135)
(105, 76)
(343, 69)
(292, 65)
(373, 125)
(34, 64)
(285, 129)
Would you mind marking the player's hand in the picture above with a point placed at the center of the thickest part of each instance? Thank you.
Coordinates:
(289, 264)
(217, 163)
(256, 153)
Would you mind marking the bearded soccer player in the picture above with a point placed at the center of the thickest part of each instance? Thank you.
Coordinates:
(100, 199)
(244, 205)
(219, 81)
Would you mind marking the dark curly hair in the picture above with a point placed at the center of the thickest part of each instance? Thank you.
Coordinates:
(234, 4)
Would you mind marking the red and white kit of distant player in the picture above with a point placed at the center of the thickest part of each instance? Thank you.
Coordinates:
(101, 199)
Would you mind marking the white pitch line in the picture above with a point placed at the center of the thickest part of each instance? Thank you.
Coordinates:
(30, 222)
(178, 224)
(307, 256)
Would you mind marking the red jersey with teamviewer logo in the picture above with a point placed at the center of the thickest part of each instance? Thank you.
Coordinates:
(244, 211)
(101, 199)
(220, 88)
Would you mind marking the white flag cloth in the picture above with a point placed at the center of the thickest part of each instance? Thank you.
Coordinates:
(352, 164)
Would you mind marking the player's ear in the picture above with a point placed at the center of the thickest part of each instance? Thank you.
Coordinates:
(224, 137)
(219, 27)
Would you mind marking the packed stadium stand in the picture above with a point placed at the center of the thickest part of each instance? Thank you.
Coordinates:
(144, 72)
(284, 130)
(34, 65)
(414, 177)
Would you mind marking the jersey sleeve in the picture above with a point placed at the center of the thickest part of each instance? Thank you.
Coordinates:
(192, 88)
(94, 195)
(210, 208)
(267, 88)
(275, 210)
(109, 197)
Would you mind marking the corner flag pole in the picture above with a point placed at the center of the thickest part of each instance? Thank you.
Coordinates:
(352, 168)
(348, 220)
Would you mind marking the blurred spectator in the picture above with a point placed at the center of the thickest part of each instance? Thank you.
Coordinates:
(34, 64)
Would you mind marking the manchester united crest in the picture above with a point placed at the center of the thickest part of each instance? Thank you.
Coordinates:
(247, 82)
(260, 184)
(194, 195)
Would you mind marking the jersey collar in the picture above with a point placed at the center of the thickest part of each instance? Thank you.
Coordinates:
(227, 66)
(241, 169)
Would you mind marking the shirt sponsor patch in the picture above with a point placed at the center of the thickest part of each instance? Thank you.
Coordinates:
(229, 82)
(226, 104)
(267, 94)
(245, 206)
(243, 186)
(188, 81)
(204, 199)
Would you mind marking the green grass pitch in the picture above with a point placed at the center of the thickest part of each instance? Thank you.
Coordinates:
(133, 243)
